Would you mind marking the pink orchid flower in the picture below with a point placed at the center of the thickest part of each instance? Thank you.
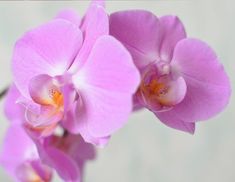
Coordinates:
(71, 72)
(67, 154)
(19, 155)
(20, 158)
(182, 79)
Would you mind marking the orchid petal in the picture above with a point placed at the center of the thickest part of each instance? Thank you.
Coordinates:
(82, 152)
(72, 123)
(88, 137)
(13, 111)
(140, 32)
(99, 2)
(49, 49)
(69, 15)
(86, 151)
(171, 119)
(64, 165)
(16, 149)
(33, 170)
(173, 32)
(94, 25)
(137, 105)
(208, 87)
(106, 84)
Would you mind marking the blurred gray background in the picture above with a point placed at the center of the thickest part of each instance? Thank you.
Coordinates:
(145, 150)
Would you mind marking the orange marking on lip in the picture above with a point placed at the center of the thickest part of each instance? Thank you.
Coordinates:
(154, 88)
(55, 98)
(58, 99)
(154, 91)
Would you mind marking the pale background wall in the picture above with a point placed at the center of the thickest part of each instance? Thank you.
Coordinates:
(145, 150)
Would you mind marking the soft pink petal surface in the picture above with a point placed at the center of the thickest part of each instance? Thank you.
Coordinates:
(17, 148)
(72, 123)
(13, 111)
(33, 170)
(208, 87)
(171, 120)
(82, 153)
(94, 24)
(172, 32)
(70, 15)
(64, 165)
(49, 49)
(105, 111)
(85, 151)
(88, 137)
(106, 84)
(99, 2)
(140, 31)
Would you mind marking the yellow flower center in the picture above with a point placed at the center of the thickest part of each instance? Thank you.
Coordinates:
(57, 98)
(153, 91)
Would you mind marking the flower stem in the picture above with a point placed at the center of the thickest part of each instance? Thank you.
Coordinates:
(3, 92)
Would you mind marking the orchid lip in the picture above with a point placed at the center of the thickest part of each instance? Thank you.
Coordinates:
(52, 98)
(46, 91)
(159, 90)
(47, 110)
